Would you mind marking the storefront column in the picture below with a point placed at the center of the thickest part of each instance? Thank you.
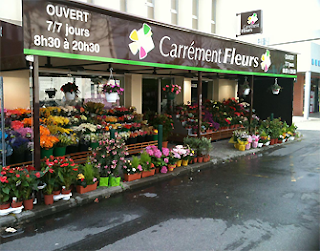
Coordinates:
(251, 102)
(137, 7)
(307, 88)
(204, 20)
(133, 91)
(36, 112)
(186, 90)
(199, 103)
(3, 143)
(159, 96)
(185, 13)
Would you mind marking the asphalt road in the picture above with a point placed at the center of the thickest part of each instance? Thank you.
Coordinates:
(267, 201)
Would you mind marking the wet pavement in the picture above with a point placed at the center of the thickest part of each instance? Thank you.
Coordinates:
(268, 200)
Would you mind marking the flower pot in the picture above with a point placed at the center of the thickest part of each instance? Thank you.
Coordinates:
(260, 145)
(165, 144)
(279, 141)
(65, 191)
(171, 167)
(276, 140)
(200, 159)
(94, 145)
(246, 91)
(48, 199)
(70, 96)
(179, 162)
(28, 204)
(104, 181)
(57, 192)
(16, 204)
(254, 144)
(46, 152)
(195, 159)
(4, 205)
(148, 173)
(272, 141)
(248, 146)
(185, 162)
(112, 97)
(157, 170)
(88, 188)
(206, 158)
(131, 177)
(114, 181)
(275, 92)
(171, 95)
(155, 137)
(59, 151)
(242, 147)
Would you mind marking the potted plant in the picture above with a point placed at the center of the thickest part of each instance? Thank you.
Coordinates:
(147, 159)
(112, 90)
(204, 148)
(5, 188)
(47, 141)
(173, 158)
(166, 121)
(70, 90)
(67, 173)
(61, 146)
(87, 178)
(194, 143)
(171, 90)
(132, 169)
(276, 87)
(49, 180)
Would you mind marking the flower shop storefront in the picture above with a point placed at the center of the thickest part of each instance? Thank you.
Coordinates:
(79, 40)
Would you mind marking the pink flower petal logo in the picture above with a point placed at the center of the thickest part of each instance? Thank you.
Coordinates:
(253, 19)
(266, 61)
(142, 41)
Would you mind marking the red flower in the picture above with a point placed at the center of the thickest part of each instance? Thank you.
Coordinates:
(51, 170)
(37, 175)
(75, 169)
(4, 179)
(11, 171)
(18, 175)
(28, 176)
(3, 172)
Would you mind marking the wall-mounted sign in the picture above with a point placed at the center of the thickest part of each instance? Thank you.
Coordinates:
(251, 22)
(68, 30)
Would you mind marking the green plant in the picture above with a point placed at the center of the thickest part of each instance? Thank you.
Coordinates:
(70, 87)
(165, 120)
(29, 182)
(205, 146)
(275, 128)
(145, 161)
(193, 142)
(5, 187)
(49, 178)
(64, 140)
(93, 107)
(88, 174)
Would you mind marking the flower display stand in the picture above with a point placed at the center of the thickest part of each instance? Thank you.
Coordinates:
(62, 196)
(88, 188)
(11, 210)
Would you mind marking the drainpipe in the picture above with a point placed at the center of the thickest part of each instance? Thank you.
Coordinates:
(199, 103)
(307, 88)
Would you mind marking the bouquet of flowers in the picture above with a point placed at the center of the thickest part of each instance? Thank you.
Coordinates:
(176, 89)
(112, 86)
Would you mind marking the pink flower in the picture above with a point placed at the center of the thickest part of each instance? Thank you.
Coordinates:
(94, 179)
(105, 167)
(164, 169)
(158, 154)
(150, 152)
(122, 158)
(165, 151)
(139, 168)
(114, 152)
(114, 162)
(166, 160)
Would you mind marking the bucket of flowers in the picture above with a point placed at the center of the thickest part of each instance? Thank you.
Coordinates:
(70, 91)
(112, 90)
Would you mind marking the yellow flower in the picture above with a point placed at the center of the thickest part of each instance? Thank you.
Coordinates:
(80, 176)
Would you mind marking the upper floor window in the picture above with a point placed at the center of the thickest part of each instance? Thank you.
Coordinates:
(195, 14)
(150, 9)
(174, 12)
(213, 16)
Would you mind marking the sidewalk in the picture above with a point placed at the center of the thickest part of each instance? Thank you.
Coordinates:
(222, 151)
(313, 123)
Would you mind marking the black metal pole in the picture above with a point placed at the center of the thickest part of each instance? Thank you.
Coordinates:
(251, 102)
(199, 103)
(3, 142)
(36, 113)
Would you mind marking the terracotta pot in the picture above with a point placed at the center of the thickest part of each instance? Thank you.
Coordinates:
(56, 192)
(272, 141)
(279, 141)
(28, 204)
(165, 144)
(64, 191)
(206, 158)
(195, 159)
(88, 188)
(157, 170)
(200, 159)
(48, 199)
(147, 173)
(16, 204)
(4, 205)
(276, 141)
(131, 177)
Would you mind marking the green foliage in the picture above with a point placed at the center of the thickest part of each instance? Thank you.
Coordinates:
(205, 146)
(135, 162)
(89, 174)
(193, 143)
(64, 140)
(145, 161)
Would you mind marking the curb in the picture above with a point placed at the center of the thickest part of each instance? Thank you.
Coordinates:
(106, 192)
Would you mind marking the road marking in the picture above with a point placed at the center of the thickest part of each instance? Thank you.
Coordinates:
(258, 175)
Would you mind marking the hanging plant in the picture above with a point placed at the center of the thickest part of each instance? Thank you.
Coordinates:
(276, 88)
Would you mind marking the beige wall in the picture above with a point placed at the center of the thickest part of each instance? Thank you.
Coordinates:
(186, 90)
(227, 89)
(133, 91)
(16, 89)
